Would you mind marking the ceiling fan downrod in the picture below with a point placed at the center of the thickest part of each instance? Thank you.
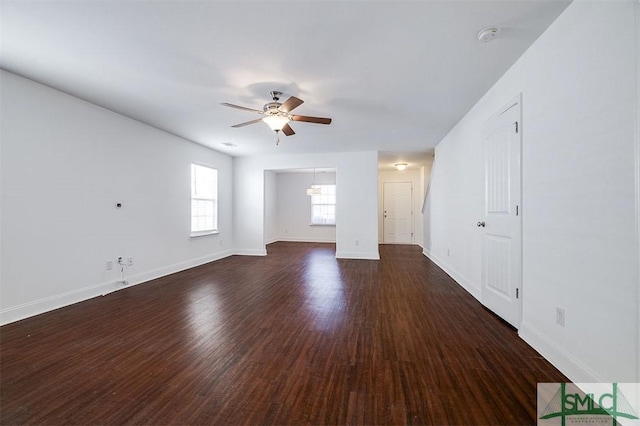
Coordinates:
(275, 95)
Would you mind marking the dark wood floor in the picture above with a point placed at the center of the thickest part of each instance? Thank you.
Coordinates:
(296, 337)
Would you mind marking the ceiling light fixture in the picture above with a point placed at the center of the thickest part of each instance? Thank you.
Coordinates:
(314, 190)
(276, 122)
(487, 34)
(400, 166)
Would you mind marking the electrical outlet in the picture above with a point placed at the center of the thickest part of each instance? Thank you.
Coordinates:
(109, 265)
(448, 252)
(560, 316)
(130, 261)
(120, 260)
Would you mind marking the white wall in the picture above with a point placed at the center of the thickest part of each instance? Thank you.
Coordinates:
(580, 192)
(415, 177)
(426, 173)
(64, 165)
(294, 208)
(356, 203)
(271, 226)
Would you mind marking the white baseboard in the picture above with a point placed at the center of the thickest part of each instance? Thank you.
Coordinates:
(40, 306)
(305, 240)
(457, 277)
(177, 267)
(250, 252)
(46, 304)
(568, 365)
(357, 255)
(575, 371)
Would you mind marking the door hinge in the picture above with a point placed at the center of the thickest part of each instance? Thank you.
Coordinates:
(516, 123)
(517, 293)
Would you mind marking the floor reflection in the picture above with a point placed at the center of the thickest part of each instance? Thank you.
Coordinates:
(204, 315)
(324, 289)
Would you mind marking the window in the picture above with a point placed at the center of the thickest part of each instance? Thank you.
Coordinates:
(323, 205)
(204, 200)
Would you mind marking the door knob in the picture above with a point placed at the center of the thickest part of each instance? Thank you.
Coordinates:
(481, 224)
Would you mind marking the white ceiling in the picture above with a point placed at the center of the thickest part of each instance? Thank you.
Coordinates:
(395, 76)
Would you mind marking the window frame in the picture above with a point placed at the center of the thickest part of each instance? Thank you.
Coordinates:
(323, 194)
(199, 197)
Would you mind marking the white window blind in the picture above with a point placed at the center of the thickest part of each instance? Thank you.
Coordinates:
(323, 205)
(204, 200)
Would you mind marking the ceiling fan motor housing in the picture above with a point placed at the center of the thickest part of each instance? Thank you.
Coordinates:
(272, 108)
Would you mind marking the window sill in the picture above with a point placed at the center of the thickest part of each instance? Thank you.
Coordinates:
(203, 234)
(322, 224)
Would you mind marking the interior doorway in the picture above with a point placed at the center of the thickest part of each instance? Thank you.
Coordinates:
(397, 213)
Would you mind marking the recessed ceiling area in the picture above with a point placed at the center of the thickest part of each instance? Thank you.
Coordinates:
(395, 76)
(414, 161)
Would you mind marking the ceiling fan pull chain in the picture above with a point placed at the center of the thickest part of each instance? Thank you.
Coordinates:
(278, 138)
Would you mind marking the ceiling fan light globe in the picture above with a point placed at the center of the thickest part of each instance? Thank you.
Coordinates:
(276, 122)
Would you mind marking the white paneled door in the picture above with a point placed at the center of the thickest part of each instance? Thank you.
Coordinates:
(501, 224)
(398, 217)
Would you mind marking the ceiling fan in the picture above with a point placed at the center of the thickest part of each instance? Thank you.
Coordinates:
(277, 115)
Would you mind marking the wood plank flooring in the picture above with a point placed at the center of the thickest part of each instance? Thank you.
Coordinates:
(296, 337)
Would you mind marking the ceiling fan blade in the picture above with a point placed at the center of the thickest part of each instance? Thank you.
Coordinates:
(241, 107)
(317, 120)
(246, 123)
(290, 104)
(287, 130)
